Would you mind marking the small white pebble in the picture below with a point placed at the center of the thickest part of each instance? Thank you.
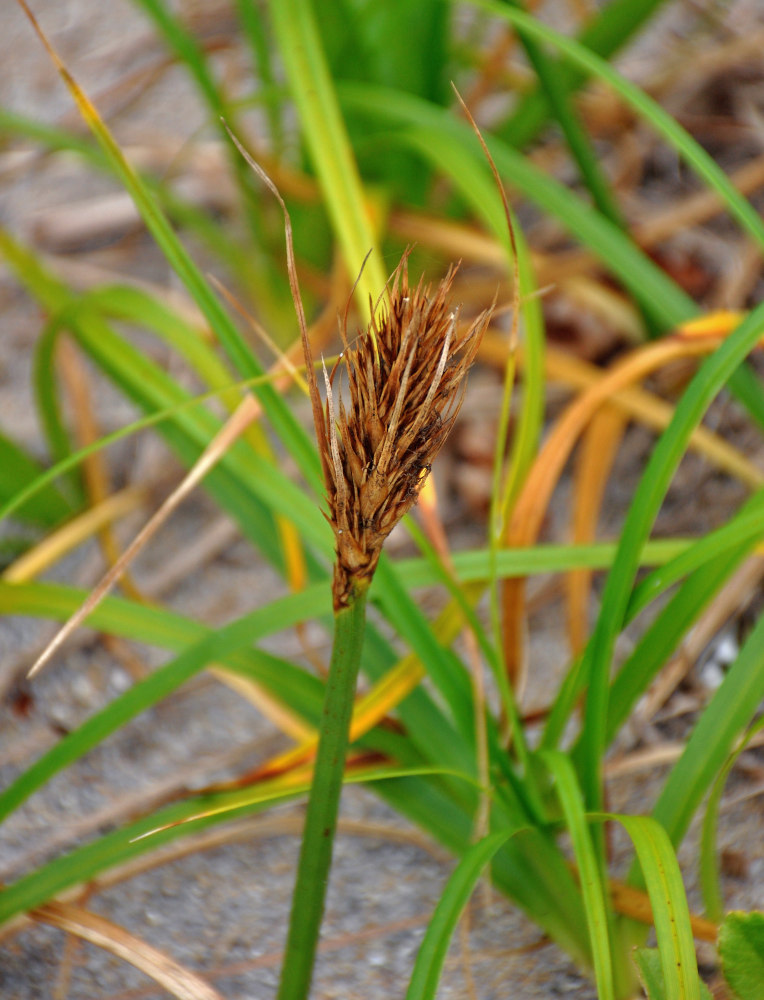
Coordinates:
(726, 650)
(83, 690)
(712, 675)
(120, 680)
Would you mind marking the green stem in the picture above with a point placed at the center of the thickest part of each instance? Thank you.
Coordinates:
(323, 802)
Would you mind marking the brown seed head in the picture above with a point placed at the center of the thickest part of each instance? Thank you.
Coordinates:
(406, 378)
(405, 394)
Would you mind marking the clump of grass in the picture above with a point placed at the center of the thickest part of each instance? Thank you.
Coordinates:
(405, 375)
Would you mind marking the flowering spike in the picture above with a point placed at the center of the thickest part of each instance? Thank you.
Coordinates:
(406, 386)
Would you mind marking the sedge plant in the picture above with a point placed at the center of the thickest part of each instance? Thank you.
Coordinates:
(358, 90)
(406, 380)
(406, 376)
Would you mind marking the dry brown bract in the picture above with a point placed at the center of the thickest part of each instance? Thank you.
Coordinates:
(405, 394)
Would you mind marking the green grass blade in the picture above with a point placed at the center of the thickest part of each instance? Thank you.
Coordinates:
(326, 138)
(553, 85)
(162, 231)
(664, 634)
(151, 832)
(564, 704)
(188, 52)
(648, 961)
(43, 479)
(527, 871)
(85, 863)
(48, 506)
(654, 647)
(280, 415)
(125, 302)
(708, 865)
(533, 872)
(530, 419)
(212, 646)
(445, 670)
(474, 565)
(691, 151)
(671, 914)
(375, 42)
(391, 32)
(254, 30)
(746, 385)
(241, 475)
(115, 615)
(593, 889)
(242, 469)
(744, 529)
(49, 404)
(135, 306)
(301, 691)
(470, 175)
(432, 952)
(443, 576)
(647, 500)
(53, 138)
(607, 31)
(713, 737)
(451, 144)
(470, 566)
(181, 212)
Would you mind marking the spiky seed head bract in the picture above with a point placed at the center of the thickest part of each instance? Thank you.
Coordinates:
(405, 377)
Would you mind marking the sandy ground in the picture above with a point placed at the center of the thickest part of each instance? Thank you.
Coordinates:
(221, 908)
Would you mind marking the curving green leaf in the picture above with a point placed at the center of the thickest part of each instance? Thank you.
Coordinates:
(671, 914)
(434, 947)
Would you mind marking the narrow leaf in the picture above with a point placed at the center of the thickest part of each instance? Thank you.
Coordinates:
(432, 952)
